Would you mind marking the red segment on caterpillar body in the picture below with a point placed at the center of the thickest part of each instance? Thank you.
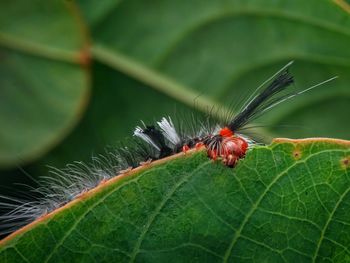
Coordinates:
(230, 149)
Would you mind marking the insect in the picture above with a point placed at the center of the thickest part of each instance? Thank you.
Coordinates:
(221, 140)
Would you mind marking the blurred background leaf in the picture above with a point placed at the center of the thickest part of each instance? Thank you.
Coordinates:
(43, 87)
(154, 58)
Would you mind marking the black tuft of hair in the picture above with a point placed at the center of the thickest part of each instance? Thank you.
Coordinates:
(158, 138)
(263, 101)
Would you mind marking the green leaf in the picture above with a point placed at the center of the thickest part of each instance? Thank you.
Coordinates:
(287, 202)
(43, 77)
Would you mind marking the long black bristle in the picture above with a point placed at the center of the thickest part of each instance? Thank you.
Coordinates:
(263, 100)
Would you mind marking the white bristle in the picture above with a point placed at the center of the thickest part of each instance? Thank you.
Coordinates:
(139, 133)
(168, 129)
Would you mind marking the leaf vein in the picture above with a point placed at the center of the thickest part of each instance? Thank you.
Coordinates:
(322, 236)
(155, 213)
(258, 201)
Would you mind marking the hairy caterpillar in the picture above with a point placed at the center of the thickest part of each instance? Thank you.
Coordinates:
(222, 141)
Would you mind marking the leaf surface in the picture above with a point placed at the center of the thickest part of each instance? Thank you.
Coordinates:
(285, 202)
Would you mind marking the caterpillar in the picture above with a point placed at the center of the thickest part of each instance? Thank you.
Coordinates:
(222, 140)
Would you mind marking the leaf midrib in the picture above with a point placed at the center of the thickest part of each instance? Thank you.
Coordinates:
(37, 49)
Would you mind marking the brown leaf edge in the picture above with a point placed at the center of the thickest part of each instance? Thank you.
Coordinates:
(103, 185)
